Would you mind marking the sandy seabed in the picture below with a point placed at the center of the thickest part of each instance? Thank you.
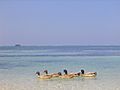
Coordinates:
(58, 85)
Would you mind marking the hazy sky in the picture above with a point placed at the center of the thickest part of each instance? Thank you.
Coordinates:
(60, 22)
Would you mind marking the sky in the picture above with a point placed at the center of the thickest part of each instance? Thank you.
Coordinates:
(60, 22)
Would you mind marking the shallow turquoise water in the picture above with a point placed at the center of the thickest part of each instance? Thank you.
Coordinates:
(17, 72)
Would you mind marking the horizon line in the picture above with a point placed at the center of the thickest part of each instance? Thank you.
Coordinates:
(61, 45)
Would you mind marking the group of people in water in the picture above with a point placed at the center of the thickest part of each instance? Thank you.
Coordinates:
(65, 75)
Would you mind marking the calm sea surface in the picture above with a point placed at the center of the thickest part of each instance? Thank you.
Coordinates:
(19, 64)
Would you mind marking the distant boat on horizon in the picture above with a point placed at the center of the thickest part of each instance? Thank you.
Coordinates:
(17, 45)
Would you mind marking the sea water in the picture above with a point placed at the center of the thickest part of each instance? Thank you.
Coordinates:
(18, 65)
